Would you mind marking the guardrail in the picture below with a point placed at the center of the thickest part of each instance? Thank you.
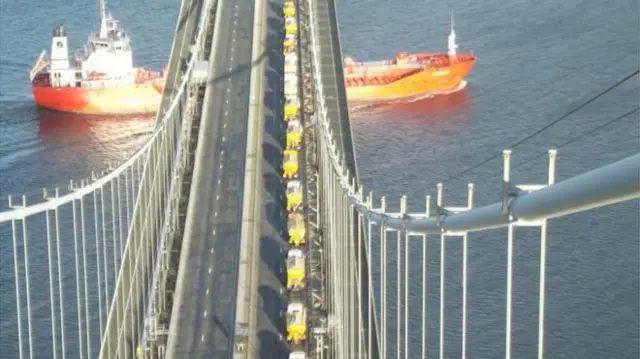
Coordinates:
(246, 306)
(147, 232)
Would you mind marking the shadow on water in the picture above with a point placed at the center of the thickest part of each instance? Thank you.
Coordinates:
(65, 128)
(273, 304)
(272, 253)
(271, 346)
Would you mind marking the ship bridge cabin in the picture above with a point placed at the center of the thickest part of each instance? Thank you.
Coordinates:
(107, 53)
(106, 60)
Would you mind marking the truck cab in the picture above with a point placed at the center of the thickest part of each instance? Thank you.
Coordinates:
(291, 108)
(296, 319)
(296, 270)
(294, 195)
(294, 135)
(290, 164)
(296, 228)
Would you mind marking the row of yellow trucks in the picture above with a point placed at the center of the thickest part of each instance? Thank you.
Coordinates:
(296, 314)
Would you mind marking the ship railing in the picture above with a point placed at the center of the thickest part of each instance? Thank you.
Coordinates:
(435, 61)
(371, 63)
(383, 66)
(39, 65)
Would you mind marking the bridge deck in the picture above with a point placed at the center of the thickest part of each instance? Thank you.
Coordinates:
(204, 305)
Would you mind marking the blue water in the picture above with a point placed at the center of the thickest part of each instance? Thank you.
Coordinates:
(537, 60)
(58, 147)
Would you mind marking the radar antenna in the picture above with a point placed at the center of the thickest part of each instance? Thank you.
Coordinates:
(452, 30)
(452, 39)
(103, 9)
(104, 18)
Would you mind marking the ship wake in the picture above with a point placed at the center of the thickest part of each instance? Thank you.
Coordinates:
(359, 109)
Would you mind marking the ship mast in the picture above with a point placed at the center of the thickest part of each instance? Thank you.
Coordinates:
(104, 17)
(452, 39)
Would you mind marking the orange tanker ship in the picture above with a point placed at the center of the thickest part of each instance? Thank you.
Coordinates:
(408, 75)
(100, 80)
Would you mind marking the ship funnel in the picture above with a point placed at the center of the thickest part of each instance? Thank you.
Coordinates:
(59, 31)
(59, 51)
(452, 39)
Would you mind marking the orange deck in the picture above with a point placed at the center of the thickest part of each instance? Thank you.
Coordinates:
(406, 76)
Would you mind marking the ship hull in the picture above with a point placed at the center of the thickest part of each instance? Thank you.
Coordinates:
(428, 81)
(121, 100)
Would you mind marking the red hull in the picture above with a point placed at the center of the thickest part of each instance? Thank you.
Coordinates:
(411, 76)
(123, 100)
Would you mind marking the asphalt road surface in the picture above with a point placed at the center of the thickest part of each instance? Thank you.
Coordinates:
(206, 288)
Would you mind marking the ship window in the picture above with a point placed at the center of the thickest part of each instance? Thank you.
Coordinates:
(118, 47)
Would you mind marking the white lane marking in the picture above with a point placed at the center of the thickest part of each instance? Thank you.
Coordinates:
(205, 313)
(215, 214)
(207, 291)
(202, 338)
(214, 231)
(209, 270)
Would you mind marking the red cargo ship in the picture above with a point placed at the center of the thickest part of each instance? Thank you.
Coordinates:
(408, 75)
(100, 79)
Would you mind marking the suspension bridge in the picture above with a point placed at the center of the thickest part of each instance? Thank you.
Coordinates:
(240, 229)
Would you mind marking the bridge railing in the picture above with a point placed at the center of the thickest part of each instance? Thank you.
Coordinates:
(78, 242)
(67, 251)
(398, 330)
(84, 256)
